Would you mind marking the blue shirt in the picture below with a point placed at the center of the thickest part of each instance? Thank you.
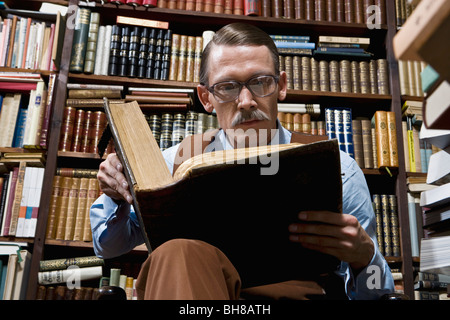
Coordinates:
(114, 236)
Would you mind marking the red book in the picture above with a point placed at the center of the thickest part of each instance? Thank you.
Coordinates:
(252, 7)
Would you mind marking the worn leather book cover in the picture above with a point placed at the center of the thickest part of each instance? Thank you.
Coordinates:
(241, 202)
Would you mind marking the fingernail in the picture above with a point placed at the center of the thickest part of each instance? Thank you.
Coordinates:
(129, 199)
(302, 215)
(119, 167)
(124, 184)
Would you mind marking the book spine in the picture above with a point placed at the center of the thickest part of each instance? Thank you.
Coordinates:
(51, 221)
(80, 212)
(60, 264)
(62, 276)
(252, 7)
(124, 48)
(411, 153)
(376, 201)
(62, 206)
(80, 38)
(387, 236)
(394, 225)
(382, 139)
(17, 199)
(91, 47)
(366, 130)
(133, 52)
(143, 52)
(48, 111)
(358, 143)
(181, 73)
(151, 54)
(114, 50)
(67, 129)
(348, 132)
(165, 60)
(330, 124)
(92, 195)
(99, 50)
(392, 136)
(306, 73)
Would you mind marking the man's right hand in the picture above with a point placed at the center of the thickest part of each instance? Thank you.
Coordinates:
(112, 180)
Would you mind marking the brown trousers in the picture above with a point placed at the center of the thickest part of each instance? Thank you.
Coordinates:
(184, 269)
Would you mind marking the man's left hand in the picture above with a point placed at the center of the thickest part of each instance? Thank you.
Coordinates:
(340, 235)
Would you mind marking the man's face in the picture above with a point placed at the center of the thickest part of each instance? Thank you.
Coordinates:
(241, 63)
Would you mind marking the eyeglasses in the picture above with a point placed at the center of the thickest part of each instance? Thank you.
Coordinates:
(260, 86)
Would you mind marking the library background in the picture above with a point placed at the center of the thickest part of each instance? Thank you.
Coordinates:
(368, 71)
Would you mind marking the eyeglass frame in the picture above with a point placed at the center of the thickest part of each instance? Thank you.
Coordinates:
(241, 85)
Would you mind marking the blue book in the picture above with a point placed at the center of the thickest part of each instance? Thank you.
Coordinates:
(1, 102)
(339, 127)
(348, 131)
(330, 128)
(20, 128)
(340, 50)
(290, 38)
(295, 45)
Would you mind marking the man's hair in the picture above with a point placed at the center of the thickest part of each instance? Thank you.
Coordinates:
(238, 34)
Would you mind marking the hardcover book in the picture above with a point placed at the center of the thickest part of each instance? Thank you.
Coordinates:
(199, 200)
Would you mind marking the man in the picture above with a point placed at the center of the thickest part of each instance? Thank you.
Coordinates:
(241, 81)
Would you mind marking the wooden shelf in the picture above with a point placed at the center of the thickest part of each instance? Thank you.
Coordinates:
(83, 244)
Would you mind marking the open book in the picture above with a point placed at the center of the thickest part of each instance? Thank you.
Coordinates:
(230, 204)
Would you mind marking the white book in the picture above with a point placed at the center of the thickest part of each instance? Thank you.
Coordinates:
(8, 118)
(8, 194)
(31, 45)
(35, 116)
(99, 50)
(70, 274)
(22, 33)
(439, 167)
(313, 109)
(31, 230)
(106, 50)
(435, 197)
(26, 196)
(39, 45)
(435, 255)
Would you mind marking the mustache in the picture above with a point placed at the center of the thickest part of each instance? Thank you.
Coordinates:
(245, 115)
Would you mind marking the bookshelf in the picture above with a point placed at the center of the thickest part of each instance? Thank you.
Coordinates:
(379, 180)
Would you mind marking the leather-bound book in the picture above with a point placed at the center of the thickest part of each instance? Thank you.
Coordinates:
(80, 38)
(307, 177)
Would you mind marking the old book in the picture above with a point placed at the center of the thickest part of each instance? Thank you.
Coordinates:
(162, 200)
(91, 45)
(64, 263)
(92, 194)
(379, 122)
(72, 209)
(61, 213)
(17, 199)
(174, 57)
(51, 221)
(142, 22)
(80, 213)
(392, 136)
(80, 38)
(8, 118)
(252, 7)
(66, 275)
(43, 139)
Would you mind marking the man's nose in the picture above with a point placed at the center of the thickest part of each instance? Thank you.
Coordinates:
(245, 98)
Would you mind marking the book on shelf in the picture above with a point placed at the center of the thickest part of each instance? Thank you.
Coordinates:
(411, 83)
(436, 197)
(69, 274)
(387, 227)
(415, 218)
(142, 22)
(434, 255)
(427, 27)
(64, 263)
(14, 274)
(439, 167)
(149, 177)
(437, 137)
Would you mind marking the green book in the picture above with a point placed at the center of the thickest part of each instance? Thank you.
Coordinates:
(80, 38)
(429, 77)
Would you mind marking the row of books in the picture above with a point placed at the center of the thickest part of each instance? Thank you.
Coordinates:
(431, 286)
(301, 122)
(15, 261)
(20, 194)
(403, 9)
(349, 11)
(386, 214)
(371, 142)
(308, 73)
(75, 271)
(30, 43)
(410, 77)
(25, 116)
(73, 192)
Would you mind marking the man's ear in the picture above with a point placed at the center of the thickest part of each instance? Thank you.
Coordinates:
(203, 96)
(282, 86)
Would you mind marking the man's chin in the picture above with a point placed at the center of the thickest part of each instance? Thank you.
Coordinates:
(245, 136)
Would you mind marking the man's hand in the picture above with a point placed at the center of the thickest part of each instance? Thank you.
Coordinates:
(112, 180)
(340, 235)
